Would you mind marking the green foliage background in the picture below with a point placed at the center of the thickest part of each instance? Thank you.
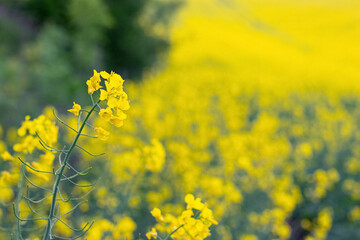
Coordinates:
(54, 45)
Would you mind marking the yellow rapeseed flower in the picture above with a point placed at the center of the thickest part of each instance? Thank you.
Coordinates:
(194, 203)
(116, 121)
(101, 133)
(94, 83)
(157, 215)
(152, 234)
(117, 100)
(75, 109)
(6, 156)
(106, 113)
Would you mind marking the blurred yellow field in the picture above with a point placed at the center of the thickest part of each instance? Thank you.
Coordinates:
(268, 45)
(248, 130)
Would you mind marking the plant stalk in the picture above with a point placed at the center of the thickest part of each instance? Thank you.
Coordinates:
(18, 200)
(60, 174)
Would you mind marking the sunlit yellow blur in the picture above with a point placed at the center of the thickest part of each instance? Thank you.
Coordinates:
(271, 46)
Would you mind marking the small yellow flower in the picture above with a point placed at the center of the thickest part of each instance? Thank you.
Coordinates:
(112, 102)
(106, 113)
(75, 109)
(208, 215)
(103, 95)
(194, 203)
(104, 75)
(152, 234)
(116, 121)
(157, 215)
(94, 82)
(6, 156)
(121, 114)
(101, 133)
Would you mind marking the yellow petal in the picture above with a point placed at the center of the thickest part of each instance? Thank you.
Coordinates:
(104, 75)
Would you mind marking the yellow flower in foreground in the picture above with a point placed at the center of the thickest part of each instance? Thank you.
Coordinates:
(157, 214)
(94, 82)
(101, 133)
(75, 109)
(194, 203)
(6, 156)
(106, 113)
(188, 224)
(105, 75)
(152, 234)
(116, 121)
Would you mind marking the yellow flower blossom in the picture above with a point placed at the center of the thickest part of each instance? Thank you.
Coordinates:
(124, 228)
(106, 113)
(6, 156)
(101, 133)
(41, 125)
(152, 234)
(75, 109)
(157, 214)
(116, 99)
(194, 203)
(104, 74)
(94, 83)
(116, 121)
(188, 224)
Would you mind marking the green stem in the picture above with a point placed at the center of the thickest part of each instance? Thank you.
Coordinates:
(168, 236)
(18, 199)
(60, 174)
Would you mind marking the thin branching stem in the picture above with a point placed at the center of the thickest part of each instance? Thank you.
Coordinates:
(91, 154)
(76, 184)
(62, 199)
(86, 171)
(35, 185)
(37, 201)
(169, 236)
(73, 129)
(88, 124)
(47, 146)
(28, 219)
(33, 210)
(93, 102)
(78, 121)
(18, 199)
(73, 209)
(83, 196)
(90, 136)
(76, 237)
(64, 123)
(72, 228)
(32, 168)
(60, 174)
(60, 157)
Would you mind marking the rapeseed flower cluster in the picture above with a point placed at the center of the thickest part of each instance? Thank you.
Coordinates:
(193, 223)
(262, 151)
(117, 99)
(272, 148)
(42, 126)
(36, 147)
(321, 225)
(122, 229)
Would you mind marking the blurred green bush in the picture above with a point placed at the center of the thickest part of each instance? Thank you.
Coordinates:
(56, 44)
